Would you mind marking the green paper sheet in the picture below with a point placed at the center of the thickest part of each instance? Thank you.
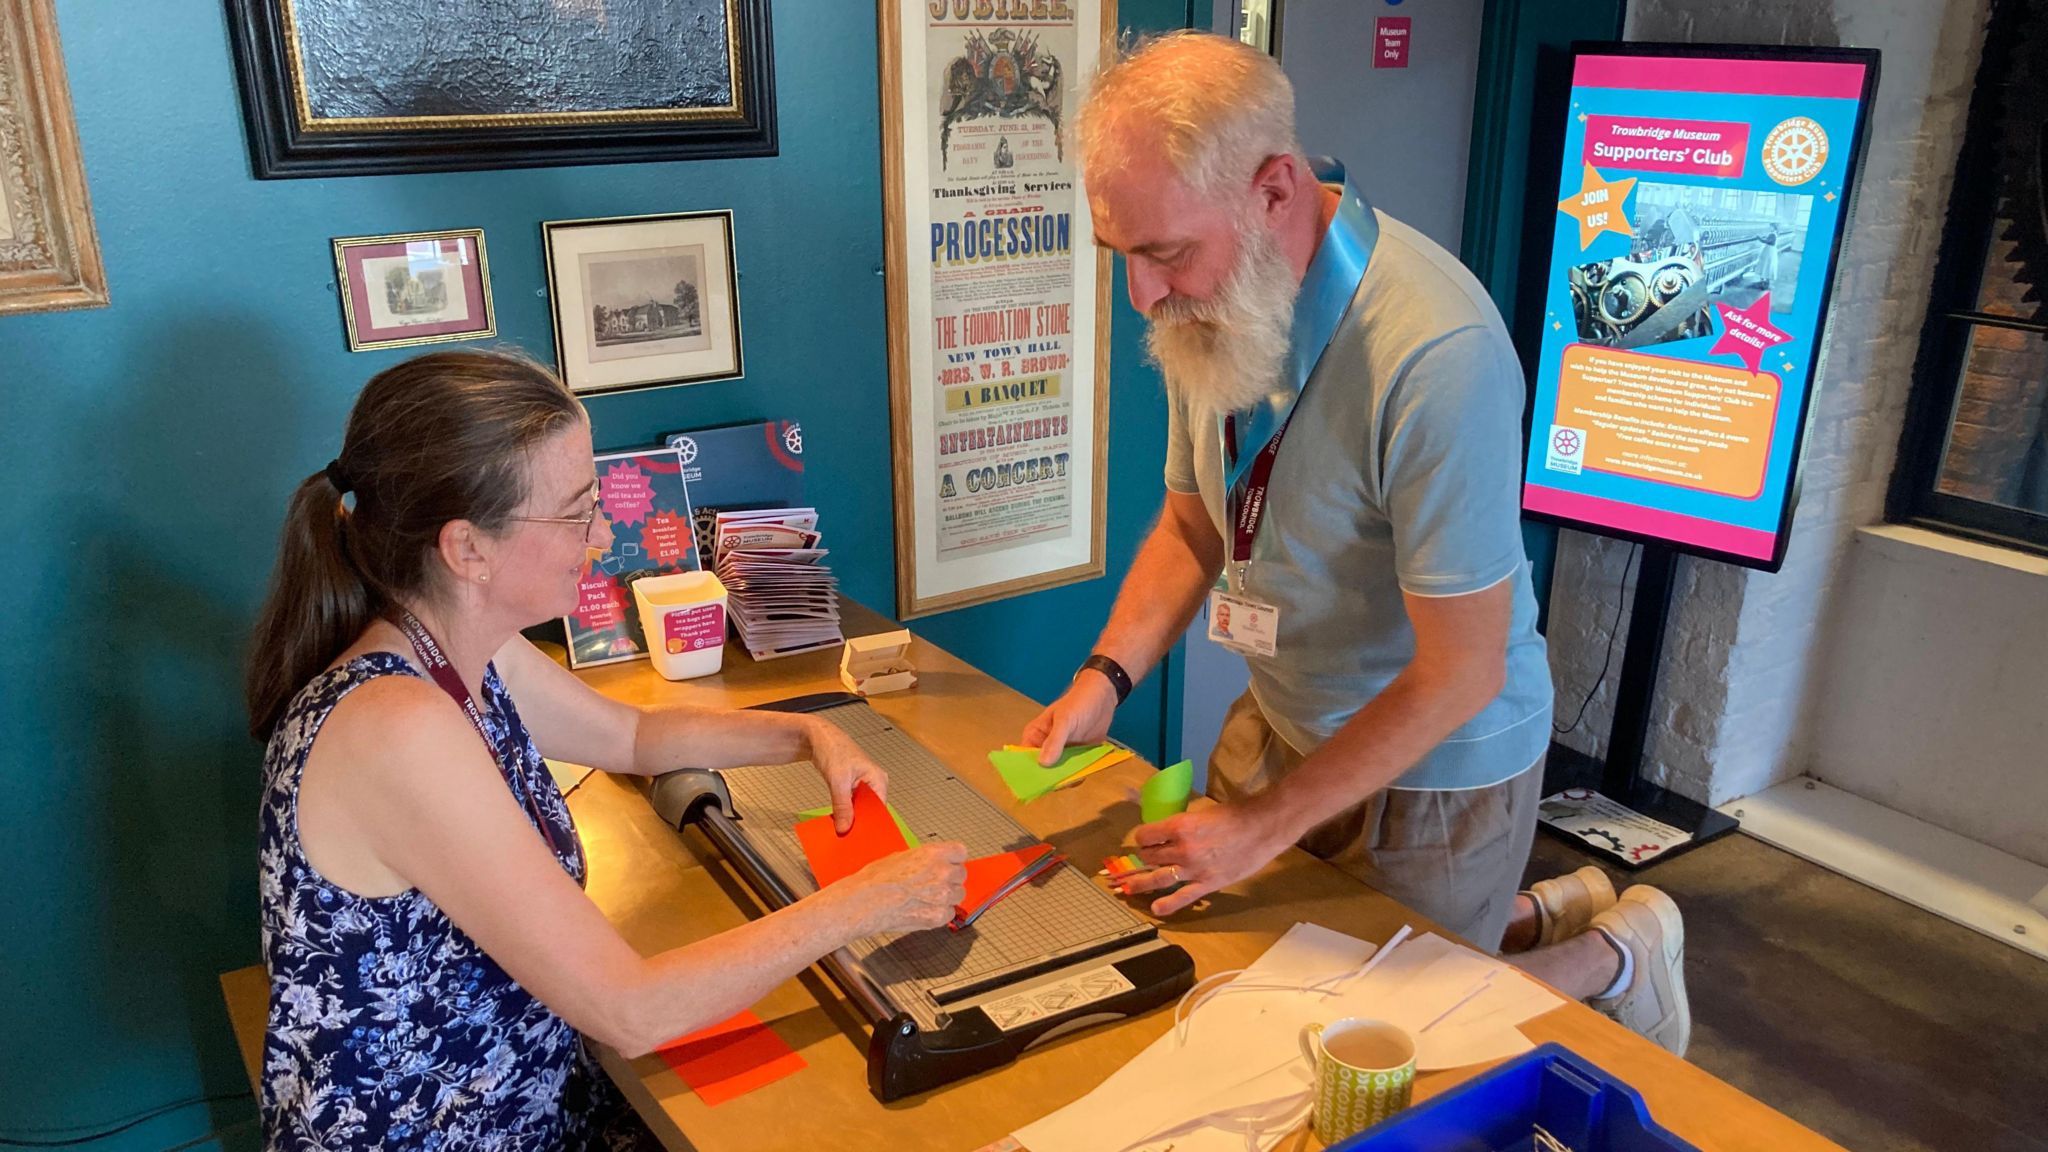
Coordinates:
(909, 837)
(1028, 780)
(1166, 794)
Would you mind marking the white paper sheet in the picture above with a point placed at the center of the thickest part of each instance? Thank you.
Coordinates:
(1237, 1066)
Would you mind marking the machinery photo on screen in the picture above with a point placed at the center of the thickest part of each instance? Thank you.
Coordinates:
(1693, 246)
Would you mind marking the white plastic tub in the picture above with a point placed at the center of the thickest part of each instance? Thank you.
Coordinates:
(684, 618)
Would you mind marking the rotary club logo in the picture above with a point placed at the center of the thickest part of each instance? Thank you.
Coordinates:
(1795, 151)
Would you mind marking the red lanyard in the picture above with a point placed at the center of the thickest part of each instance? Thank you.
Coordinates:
(436, 663)
(1247, 502)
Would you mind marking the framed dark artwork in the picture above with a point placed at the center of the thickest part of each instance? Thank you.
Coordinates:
(367, 87)
(644, 301)
(416, 288)
(49, 251)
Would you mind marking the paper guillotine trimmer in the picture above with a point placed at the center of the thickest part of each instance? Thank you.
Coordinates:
(1057, 955)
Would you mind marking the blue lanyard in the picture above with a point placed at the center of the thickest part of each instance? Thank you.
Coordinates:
(1326, 293)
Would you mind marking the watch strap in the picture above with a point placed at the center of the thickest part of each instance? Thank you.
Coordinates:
(1118, 678)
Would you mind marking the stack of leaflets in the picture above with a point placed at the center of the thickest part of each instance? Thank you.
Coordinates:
(783, 599)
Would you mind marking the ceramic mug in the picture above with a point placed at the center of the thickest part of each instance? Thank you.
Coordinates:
(1364, 1073)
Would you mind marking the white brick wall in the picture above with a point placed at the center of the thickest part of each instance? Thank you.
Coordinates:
(1735, 695)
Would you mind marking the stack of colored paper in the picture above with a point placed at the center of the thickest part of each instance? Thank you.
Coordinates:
(990, 878)
(875, 833)
(783, 598)
(1028, 779)
(910, 839)
(1128, 864)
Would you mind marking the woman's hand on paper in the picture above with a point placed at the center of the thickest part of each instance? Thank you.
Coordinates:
(910, 890)
(1204, 849)
(844, 766)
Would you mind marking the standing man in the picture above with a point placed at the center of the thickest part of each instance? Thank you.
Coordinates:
(1342, 473)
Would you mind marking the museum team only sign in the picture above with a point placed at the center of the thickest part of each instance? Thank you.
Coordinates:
(1702, 201)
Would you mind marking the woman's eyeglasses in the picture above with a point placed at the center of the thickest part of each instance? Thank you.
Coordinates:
(588, 521)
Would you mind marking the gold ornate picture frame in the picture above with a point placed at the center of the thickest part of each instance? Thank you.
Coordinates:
(49, 252)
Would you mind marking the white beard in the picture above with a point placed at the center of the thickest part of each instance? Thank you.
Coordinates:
(1227, 353)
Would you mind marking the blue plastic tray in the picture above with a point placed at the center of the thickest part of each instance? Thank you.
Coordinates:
(1583, 1108)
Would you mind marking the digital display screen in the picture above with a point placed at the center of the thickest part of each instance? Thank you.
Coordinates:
(1700, 208)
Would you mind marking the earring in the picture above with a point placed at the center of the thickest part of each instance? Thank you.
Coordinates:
(484, 577)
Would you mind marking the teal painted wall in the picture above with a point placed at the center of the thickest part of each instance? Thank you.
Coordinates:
(146, 451)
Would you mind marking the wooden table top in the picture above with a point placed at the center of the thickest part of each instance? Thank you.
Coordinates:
(663, 890)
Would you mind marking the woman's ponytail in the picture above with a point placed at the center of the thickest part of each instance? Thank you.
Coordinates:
(318, 603)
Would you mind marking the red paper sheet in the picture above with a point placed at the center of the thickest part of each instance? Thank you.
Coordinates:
(834, 857)
(987, 874)
(731, 1059)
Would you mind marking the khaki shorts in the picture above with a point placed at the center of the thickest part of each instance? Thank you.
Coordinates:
(1456, 857)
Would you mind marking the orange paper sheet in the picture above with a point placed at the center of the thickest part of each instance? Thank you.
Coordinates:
(986, 875)
(731, 1059)
(874, 835)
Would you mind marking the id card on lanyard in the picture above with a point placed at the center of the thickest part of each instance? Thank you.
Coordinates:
(1238, 620)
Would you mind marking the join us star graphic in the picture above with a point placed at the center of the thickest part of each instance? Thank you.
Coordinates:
(1599, 206)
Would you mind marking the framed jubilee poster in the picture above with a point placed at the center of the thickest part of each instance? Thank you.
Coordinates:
(998, 299)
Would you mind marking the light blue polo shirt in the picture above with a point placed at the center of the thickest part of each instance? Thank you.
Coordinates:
(1401, 471)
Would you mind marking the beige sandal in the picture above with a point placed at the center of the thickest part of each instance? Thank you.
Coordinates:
(1566, 905)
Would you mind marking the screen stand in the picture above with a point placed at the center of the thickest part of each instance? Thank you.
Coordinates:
(1610, 809)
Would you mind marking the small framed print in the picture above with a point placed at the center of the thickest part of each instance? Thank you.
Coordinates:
(644, 301)
(418, 288)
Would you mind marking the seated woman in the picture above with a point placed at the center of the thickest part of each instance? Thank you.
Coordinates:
(434, 962)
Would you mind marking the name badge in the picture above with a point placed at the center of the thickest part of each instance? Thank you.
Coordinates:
(1246, 627)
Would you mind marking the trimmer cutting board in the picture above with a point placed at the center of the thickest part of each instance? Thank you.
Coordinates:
(1056, 955)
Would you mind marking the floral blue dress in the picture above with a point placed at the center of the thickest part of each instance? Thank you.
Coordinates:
(389, 1027)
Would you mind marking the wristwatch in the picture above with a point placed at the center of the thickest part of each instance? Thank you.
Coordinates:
(1118, 678)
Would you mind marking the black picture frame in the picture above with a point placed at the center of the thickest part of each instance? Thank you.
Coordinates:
(567, 244)
(285, 144)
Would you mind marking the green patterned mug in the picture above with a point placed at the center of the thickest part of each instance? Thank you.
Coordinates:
(1364, 1071)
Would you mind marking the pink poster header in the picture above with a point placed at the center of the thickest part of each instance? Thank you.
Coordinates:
(1647, 144)
(1721, 76)
(1654, 523)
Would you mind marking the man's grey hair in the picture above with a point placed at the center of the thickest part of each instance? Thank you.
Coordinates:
(1216, 107)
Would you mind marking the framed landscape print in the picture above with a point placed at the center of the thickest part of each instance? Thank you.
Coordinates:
(357, 87)
(418, 288)
(641, 301)
(49, 253)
